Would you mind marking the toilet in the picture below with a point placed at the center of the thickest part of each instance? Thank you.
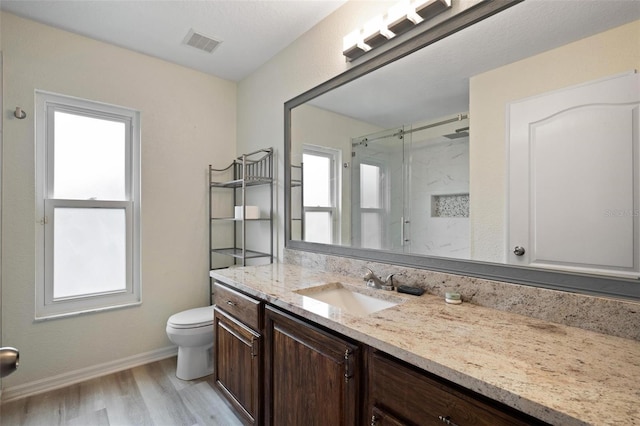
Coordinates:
(192, 331)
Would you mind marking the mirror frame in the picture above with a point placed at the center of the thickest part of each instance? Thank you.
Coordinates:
(564, 281)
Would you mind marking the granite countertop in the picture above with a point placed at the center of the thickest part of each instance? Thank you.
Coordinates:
(560, 374)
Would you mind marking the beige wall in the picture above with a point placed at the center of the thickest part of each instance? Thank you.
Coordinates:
(611, 52)
(188, 120)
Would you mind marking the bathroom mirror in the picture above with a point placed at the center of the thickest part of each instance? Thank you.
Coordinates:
(403, 158)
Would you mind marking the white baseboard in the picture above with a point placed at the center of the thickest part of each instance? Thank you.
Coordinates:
(77, 376)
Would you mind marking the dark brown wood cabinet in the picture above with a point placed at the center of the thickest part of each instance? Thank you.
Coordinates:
(238, 363)
(278, 369)
(312, 377)
(400, 394)
(379, 417)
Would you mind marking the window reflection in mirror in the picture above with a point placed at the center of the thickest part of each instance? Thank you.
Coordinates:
(321, 220)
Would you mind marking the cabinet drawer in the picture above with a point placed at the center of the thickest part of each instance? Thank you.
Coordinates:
(243, 307)
(410, 397)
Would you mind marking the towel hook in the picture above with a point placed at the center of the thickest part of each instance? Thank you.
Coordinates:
(19, 113)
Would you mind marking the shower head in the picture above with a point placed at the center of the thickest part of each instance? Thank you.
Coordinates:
(460, 133)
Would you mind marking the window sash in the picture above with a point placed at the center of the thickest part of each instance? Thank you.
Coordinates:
(52, 108)
(332, 218)
(331, 223)
(50, 206)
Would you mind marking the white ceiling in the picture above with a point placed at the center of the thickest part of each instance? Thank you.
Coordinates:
(251, 31)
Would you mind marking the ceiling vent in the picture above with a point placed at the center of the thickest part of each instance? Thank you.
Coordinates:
(200, 41)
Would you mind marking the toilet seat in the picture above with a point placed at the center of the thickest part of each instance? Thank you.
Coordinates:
(192, 318)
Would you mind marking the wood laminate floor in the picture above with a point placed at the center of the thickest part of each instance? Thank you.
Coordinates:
(145, 395)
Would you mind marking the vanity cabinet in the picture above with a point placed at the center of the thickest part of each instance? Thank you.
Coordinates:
(400, 394)
(278, 369)
(238, 345)
(312, 377)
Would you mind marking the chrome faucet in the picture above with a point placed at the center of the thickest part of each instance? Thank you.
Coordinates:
(374, 281)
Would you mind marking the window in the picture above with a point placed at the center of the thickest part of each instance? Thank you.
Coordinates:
(372, 185)
(88, 206)
(321, 218)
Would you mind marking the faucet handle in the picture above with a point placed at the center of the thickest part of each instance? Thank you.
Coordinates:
(368, 275)
(388, 283)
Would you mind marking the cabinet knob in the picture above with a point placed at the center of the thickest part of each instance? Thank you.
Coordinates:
(230, 303)
(374, 420)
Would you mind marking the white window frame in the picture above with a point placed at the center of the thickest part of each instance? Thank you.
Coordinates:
(335, 185)
(48, 307)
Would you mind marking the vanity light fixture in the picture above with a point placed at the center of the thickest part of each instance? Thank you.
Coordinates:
(400, 18)
(353, 45)
(378, 32)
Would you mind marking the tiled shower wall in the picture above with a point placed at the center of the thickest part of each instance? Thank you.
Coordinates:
(440, 199)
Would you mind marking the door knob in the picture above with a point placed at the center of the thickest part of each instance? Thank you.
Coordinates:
(9, 359)
(518, 251)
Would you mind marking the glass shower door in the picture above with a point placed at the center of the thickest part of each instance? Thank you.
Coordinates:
(377, 176)
(410, 189)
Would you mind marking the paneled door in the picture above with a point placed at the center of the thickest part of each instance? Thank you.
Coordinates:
(574, 185)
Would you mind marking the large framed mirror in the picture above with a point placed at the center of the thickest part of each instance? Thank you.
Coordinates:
(418, 157)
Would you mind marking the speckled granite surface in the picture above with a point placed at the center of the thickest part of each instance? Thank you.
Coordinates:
(563, 375)
(616, 317)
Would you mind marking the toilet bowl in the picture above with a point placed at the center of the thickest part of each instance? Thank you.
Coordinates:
(192, 331)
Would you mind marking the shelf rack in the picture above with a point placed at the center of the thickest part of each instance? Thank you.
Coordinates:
(297, 183)
(248, 170)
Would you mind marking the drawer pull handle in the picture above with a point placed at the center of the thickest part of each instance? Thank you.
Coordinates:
(253, 350)
(374, 420)
(230, 303)
(447, 420)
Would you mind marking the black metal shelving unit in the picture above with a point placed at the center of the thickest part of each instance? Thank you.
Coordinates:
(248, 170)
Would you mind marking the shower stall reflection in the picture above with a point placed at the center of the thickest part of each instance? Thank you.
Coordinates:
(410, 189)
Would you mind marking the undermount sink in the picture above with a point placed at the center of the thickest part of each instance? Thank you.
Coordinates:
(347, 299)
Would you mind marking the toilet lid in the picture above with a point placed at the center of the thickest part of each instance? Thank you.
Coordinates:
(198, 317)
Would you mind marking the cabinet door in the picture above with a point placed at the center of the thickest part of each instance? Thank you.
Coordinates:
(312, 377)
(238, 365)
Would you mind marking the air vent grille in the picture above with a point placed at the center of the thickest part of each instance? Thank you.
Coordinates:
(202, 42)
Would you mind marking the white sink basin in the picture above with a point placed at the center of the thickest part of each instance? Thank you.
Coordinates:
(347, 299)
